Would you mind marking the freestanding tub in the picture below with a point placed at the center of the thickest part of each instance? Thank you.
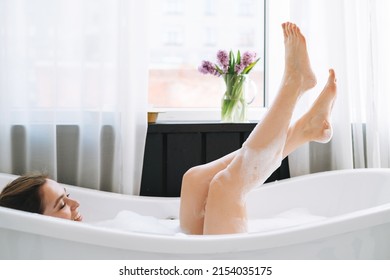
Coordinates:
(356, 204)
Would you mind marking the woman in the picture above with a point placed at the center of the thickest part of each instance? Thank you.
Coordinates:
(213, 195)
(38, 194)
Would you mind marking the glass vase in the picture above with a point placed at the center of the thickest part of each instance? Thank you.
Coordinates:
(239, 93)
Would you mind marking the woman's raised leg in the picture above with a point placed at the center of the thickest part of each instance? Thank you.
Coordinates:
(312, 126)
(194, 192)
(225, 210)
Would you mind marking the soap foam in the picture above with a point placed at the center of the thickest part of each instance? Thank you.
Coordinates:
(132, 222)
(258, 164)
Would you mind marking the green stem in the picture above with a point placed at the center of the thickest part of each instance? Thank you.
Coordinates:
(233, 103)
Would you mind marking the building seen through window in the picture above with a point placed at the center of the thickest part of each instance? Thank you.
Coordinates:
(183, 33)
(70, 61)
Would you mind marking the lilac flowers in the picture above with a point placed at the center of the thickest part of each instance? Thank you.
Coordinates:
(223, 60)
(208, 68)
(227, 63)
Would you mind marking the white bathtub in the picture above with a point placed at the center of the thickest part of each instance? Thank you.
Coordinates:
(355, 202)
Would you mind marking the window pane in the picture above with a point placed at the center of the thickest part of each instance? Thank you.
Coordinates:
(183, 33)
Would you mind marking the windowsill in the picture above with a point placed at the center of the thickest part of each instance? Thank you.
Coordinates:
(200, 127)
(208, 115)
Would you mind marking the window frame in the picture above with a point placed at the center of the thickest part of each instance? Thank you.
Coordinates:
(213, 114)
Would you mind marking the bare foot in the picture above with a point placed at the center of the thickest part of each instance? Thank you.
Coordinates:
(316, 122)
(297, 62)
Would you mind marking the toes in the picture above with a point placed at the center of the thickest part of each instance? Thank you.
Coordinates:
(284, 26)
(331, 80)
(286, 29)
(294, 29)
(289, 28)
(332, 75)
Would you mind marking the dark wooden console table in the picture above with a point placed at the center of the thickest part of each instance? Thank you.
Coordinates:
(172, 148)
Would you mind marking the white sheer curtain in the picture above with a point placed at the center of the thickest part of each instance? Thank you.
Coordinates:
(350, 36)
(73, 90)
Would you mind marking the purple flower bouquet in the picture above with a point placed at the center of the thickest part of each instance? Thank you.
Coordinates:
(234, 71)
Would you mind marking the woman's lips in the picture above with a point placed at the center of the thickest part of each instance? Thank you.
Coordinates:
(78, 217)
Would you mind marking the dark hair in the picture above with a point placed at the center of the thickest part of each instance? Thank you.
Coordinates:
(23, 193)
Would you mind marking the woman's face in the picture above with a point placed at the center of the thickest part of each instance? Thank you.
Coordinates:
(57, 203)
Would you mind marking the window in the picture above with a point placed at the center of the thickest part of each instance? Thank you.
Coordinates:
(183, 33)
(173, 36)
(173, 7)
(246, 7)
(210, 7)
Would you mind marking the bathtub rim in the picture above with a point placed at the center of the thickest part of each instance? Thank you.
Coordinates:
(145, 242)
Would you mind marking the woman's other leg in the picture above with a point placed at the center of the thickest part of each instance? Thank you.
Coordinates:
(225, 210)
(194, 191)
(312, 126)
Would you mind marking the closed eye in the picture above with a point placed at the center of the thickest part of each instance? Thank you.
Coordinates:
(63, 205)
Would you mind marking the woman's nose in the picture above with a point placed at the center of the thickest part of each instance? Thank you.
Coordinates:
(73, 203)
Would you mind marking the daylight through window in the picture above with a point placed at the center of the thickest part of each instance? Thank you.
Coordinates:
(183, 33)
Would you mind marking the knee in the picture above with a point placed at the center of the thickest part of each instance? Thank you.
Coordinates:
(191, 173)
(192, 176)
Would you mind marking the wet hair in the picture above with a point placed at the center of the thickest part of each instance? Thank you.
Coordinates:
(23, 193)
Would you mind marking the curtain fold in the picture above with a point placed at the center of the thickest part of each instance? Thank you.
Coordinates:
(73, 91)
(349, 36)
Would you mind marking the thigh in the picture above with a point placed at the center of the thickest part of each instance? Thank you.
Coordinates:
(225, 210)
(194, 193)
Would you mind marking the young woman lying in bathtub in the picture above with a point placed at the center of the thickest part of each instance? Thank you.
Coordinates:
(213, 195)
